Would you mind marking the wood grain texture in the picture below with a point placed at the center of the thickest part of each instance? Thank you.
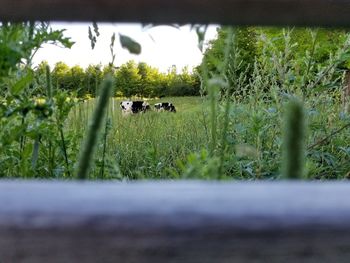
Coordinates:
(174, 222)
(238, 12)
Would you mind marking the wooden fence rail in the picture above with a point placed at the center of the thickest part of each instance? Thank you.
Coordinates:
(263, 12)
(174, 222)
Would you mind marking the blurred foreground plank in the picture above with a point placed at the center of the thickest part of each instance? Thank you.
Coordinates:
(238, 12)
(174, 222)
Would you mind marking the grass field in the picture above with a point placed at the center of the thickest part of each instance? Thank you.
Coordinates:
(146, 145)
(192, 143)
(167, 145)
(238, 131)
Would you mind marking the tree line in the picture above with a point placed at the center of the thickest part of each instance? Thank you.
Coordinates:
(130, 79)
(251, 60)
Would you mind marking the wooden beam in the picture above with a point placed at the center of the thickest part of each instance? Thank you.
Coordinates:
(237, 12)
(174, 222)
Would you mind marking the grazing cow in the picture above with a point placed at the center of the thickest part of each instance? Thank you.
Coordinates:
(165, 106)
(129, 106)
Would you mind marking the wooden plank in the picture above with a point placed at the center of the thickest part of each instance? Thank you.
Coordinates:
(174, 222)
(247, 12)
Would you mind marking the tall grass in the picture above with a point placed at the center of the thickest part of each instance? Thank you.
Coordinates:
(172, 146)
(93, 131)
(146, 145)
(235, 132)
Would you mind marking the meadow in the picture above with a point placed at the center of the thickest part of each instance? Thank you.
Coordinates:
(189, 144)
(144, 146)
(177, 145)
(270, 108)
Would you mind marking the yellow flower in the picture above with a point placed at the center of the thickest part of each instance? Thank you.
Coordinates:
(40, 102)
(88, 96)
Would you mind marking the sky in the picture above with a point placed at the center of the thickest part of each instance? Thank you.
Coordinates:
(162, 46)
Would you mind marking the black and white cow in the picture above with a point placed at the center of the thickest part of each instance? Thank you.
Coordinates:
(165, 106)
(132, 107)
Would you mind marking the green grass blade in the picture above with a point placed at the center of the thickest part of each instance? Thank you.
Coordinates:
(294, 141)
(89, 145)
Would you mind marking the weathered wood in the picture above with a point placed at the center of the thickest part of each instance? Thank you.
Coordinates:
(263, 12)
(174, 222)
(346, 92)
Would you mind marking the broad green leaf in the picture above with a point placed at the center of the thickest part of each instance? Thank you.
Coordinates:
(22, 83)
(130, 44)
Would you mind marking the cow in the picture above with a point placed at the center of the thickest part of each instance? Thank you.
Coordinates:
(165, 106)
(133, 107)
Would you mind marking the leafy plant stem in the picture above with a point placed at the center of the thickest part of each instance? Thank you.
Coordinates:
(229, 43)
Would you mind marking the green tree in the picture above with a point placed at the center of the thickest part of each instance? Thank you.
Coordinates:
(239, 54)
(321, 43)
(150, 80)
(128, 80)
(285, 57)
(302, 59)
(93, 78)
(131, 79)
(183, 84)
(69, 79)
(76, 80)
(59, 75)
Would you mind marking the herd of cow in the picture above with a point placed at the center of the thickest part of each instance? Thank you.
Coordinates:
(133, 107)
